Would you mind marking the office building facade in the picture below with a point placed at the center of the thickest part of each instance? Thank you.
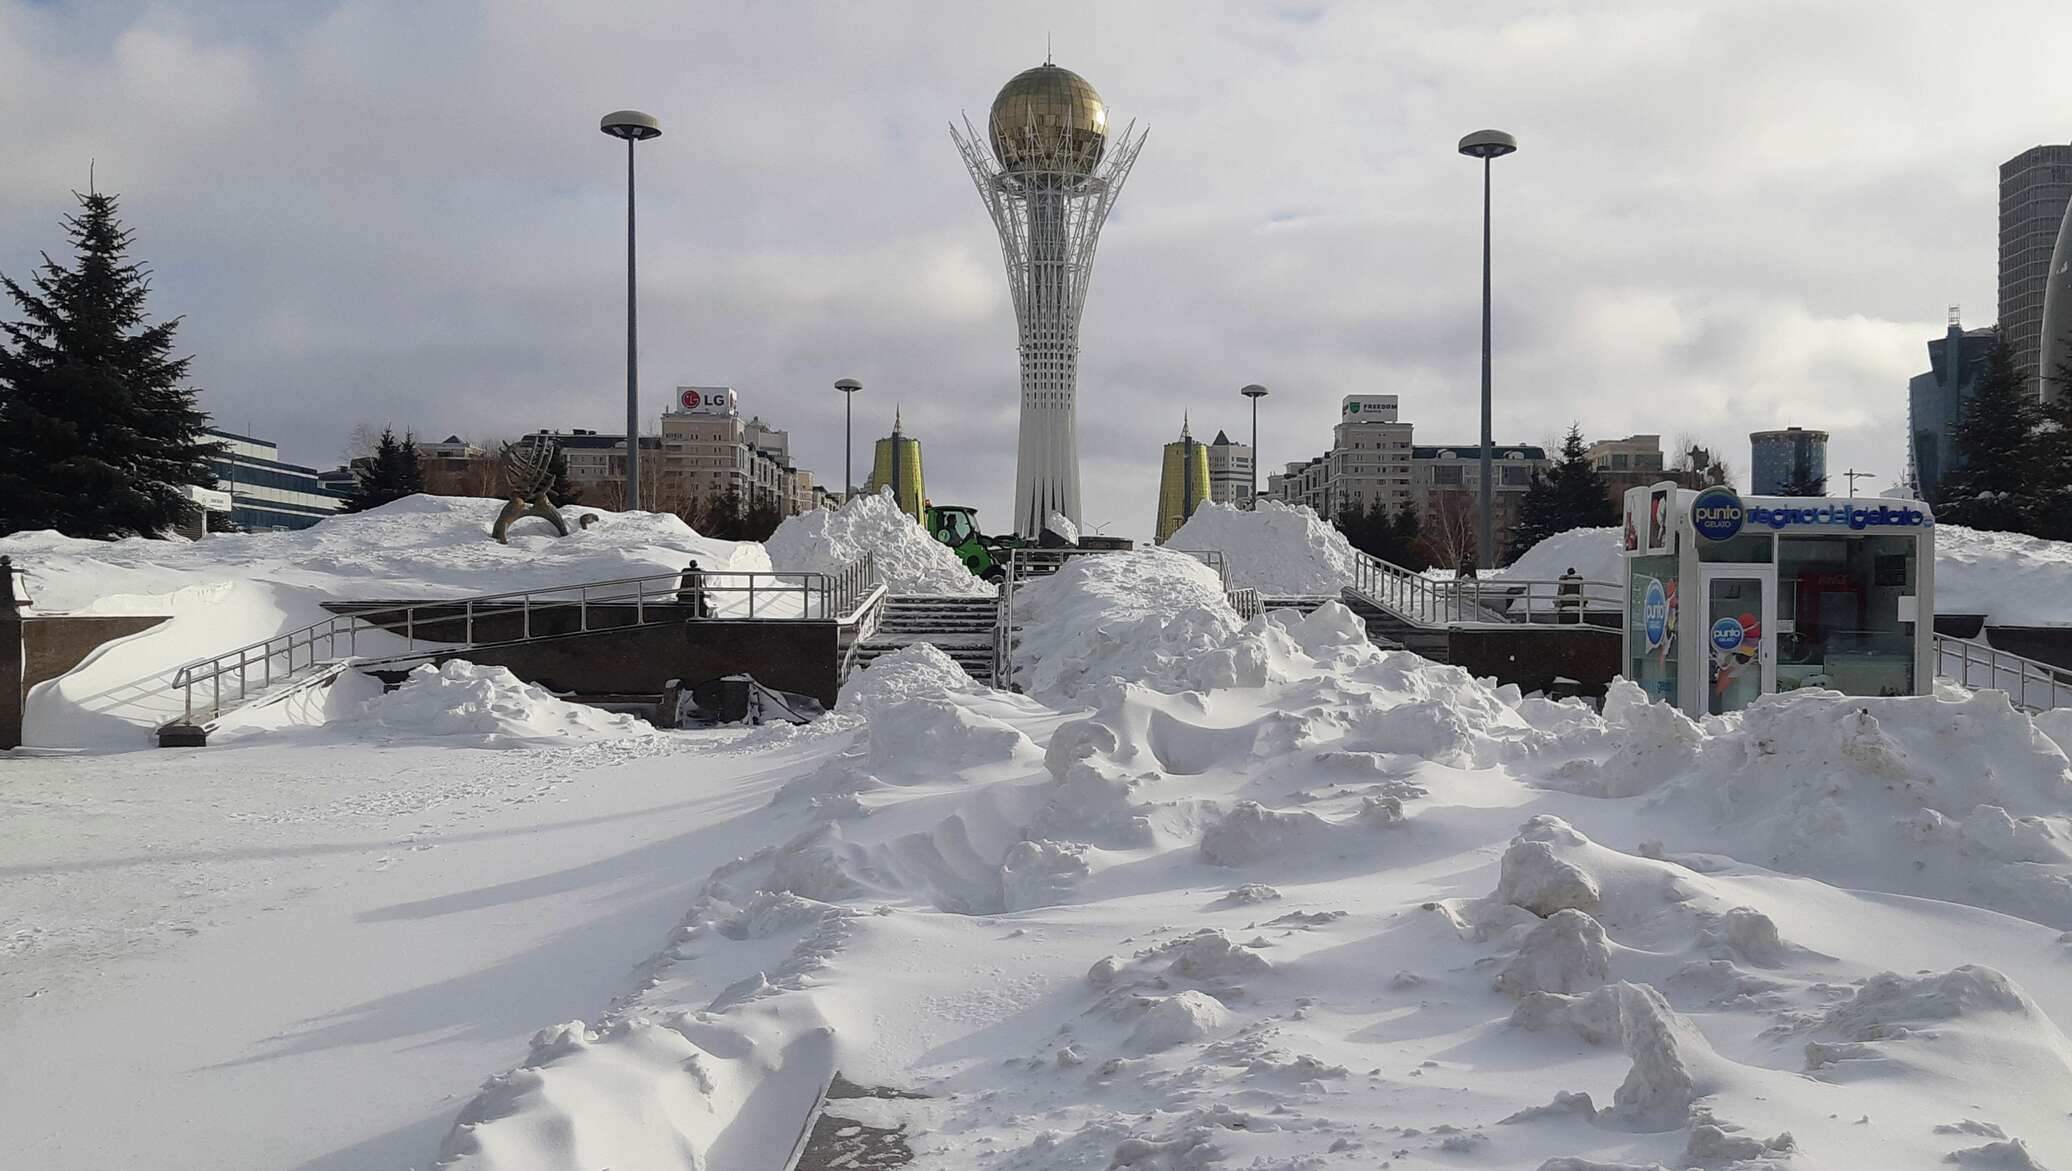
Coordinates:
(2035, 190)
(1183, 482)
(268, 494)
(1446, 483)
(1230, 472)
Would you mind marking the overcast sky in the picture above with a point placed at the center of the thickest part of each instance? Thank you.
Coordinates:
(1723, 216)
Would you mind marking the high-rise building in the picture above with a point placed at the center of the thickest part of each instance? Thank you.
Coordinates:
(1370, 456)
(1956, 360)
(1230, 471)
(1781, 462)
(1048, 175)
(2035, 190)
(1368, 464)
(1183, 482)
(896, 464)
(267, 494)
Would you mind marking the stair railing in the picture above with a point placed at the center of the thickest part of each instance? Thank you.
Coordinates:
(2030, 685)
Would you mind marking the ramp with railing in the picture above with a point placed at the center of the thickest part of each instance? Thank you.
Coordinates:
(2030, 685)
(1420, 600)
(402, 633)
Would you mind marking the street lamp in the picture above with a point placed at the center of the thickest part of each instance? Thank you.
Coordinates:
(848, 387)
(1486, 145)
(1255, 392)
(633, 126)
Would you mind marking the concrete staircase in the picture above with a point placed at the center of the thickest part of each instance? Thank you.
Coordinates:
(961, 628)
(1389, 632)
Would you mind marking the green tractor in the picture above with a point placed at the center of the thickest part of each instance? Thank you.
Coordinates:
(957, 526)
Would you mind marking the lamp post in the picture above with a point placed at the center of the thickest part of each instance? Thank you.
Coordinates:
(1255, 392)
(633, 126)
(848, 387)
(1486, 145)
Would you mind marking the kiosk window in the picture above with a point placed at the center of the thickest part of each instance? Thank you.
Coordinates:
(1838, 609)
(1748, 548)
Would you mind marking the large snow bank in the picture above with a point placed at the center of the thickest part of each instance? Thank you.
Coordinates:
(1594, 553)
(231, 589)
(909, 561)
(1276, 548)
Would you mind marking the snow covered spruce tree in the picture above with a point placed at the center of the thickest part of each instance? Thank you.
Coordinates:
(1571, 495)
(97, 435)
(392, 473)
(1995, 443)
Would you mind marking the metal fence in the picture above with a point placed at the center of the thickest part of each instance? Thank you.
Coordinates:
(2029, 684)
(228, 680)
(1025, 564)
(1430, 601)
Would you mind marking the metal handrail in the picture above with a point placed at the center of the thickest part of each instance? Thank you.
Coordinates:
(1428, 601)
(839, 596)
(1982, 667)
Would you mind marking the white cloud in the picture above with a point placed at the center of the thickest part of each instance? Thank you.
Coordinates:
(1724, 216)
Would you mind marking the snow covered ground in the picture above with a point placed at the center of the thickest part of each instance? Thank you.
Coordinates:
(1213, 894)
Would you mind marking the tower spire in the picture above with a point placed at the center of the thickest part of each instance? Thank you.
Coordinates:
(896, 428)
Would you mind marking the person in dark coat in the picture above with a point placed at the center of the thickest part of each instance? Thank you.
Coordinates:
(692, 591)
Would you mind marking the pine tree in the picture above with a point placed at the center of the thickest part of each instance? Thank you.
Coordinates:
(1570, 496)
(389, 475)
(761, 519)
(724, 517)
(97, 436)
(2049, 460)
(1408, 531)
(1994, 447)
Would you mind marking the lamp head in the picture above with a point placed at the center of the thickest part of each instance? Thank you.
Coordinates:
(1488, 144)
(631, 124)
(1254, 391)
(848, 385)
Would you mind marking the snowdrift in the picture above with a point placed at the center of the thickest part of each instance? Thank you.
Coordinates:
(909, 561)
(1260, 894)
(1276, 548)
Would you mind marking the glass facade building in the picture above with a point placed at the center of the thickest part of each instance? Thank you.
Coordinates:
(1780, 459)
(2035, 189)
(1955, 362)
(267, 494)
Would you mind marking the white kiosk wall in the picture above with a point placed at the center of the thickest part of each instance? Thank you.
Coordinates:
(1728, 599)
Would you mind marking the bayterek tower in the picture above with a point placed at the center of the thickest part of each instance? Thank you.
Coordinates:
(1048, 180)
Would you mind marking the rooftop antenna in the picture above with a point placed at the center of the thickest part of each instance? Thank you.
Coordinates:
(1953, 315)
(1046, 48)
(1852, 475)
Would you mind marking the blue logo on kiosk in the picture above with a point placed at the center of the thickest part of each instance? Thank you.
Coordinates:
(1727, 635)
(1717, 513)
(1654, 607)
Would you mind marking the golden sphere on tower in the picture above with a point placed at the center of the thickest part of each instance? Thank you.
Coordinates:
(1048, 119)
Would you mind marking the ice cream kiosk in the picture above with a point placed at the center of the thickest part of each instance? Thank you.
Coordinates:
(1731, 597)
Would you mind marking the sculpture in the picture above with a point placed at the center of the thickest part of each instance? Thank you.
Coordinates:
(529, 477)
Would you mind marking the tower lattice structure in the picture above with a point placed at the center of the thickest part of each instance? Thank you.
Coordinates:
(1048, 175)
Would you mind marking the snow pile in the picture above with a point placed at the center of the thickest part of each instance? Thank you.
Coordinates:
(1276, 548)
(1057, 522)
(1152, 614)
(1594, 553)
(488, 704)
(909, 560)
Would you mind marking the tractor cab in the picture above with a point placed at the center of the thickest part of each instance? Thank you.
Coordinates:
(957, 526)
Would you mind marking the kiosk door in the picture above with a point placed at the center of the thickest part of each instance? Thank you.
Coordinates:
(1740, 646)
